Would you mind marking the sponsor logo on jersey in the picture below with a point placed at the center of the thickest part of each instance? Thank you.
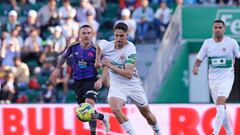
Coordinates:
(76, 53)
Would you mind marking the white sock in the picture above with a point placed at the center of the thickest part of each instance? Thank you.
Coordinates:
(156, 128)
(227, 124)
(219, 119)
(127, 126)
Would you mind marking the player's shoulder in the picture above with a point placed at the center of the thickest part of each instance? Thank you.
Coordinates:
(73, 44)
(130, 45)
(103, 42)
(208, 40)
(229, 39)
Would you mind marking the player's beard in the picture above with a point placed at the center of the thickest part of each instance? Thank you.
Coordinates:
(218, 35)
(119, 44)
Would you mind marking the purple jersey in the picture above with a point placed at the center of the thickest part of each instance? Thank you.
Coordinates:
(82, 61)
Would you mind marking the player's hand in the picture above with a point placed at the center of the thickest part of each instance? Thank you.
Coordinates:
(106, 62)
(195, 70)
(97, 64)
(98, 84)
(54, 75)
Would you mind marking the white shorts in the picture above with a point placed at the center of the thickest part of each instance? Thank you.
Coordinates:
(133, 95)
(220, 88)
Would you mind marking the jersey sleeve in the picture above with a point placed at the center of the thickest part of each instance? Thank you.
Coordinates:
(203, 52)
(130, 55)
(236, 49)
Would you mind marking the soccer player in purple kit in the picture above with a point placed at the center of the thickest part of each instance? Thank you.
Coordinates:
(86, 82)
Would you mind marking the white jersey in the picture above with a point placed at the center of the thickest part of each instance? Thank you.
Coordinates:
(221, 57)
(120, 58)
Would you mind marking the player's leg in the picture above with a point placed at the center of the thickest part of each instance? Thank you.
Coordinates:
(150, 117)
(220, 107)
(86, 93)
(139, 98)
(91, 98)
(227, 124)
(99, 116)
(116, 105)
(220, 94)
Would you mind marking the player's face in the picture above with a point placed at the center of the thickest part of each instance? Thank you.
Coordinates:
(85, 35)
(218, 30)
(120, 37)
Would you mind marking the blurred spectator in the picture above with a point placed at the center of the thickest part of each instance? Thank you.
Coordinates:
(3, 72)
(8, 93)
(132, 26)
(8, 52)
(30, 23)
(85, 6)
(48, 16)
(21, 72)
(100, 6)
(32, 48)
(162, 19)
(58, 41)
(4, 36)
(66, 10)
(237, 2)
(144, 16)
(33, 43)
(12, 21)
(93, 23)
(15, 6)
(33, 83)
(48, 58)
(16, 38)
(222, 2)
(130, 4)
(49, 94)
(63, 81)
(70, 28)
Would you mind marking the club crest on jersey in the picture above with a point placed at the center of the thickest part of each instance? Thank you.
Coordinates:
(122, 57)
(90, 54)
(224, 49)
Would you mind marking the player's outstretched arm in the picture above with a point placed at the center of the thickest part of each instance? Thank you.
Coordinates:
(125, 72)
(56, 72)
(97, 63)
(196, 66)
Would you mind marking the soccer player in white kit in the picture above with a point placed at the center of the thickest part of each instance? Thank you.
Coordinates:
(221, 52)
(125, 84)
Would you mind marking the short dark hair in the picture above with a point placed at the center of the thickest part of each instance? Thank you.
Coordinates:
(219, 21)
(85, 26)
(17, 58)
(121, 26)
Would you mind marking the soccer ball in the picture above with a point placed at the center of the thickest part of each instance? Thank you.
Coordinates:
(85, 112)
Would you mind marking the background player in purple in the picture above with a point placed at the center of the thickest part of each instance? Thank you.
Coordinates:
(86, 82)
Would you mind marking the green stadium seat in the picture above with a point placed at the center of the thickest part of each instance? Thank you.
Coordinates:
(33, 95)
(71, 98)
(42, 79)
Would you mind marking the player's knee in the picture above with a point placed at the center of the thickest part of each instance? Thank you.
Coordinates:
(221, 100)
